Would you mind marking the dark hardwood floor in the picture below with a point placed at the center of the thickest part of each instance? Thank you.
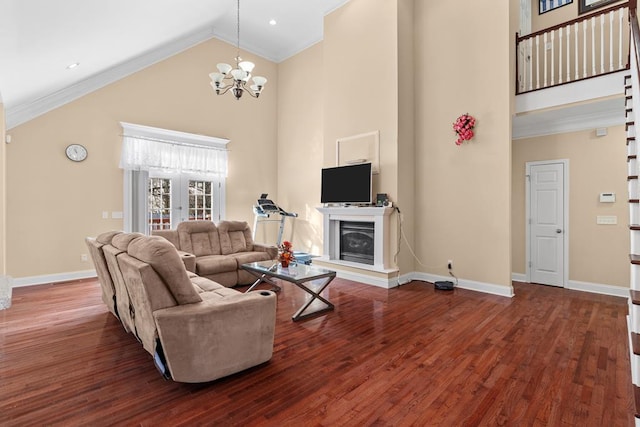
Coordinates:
(405, 356)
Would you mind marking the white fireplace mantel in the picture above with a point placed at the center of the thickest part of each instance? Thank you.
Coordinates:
(379, 216)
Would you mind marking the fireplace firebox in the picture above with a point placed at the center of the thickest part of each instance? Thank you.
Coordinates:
(357, 243)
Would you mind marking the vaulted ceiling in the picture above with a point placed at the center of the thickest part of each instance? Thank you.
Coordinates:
(40, 39)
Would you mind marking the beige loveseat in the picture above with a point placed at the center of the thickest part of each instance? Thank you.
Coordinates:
(196, 329)
(218, 250)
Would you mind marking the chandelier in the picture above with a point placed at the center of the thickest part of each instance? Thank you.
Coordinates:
(237, 78)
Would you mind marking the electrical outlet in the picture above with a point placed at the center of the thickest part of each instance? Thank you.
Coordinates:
(83, 258)
(450, 264)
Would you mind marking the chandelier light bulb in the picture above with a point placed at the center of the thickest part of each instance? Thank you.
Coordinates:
(238, 74)
(224, 68)
(259, 81)
(247, 66)
(216, 77)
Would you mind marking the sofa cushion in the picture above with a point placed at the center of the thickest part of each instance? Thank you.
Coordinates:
(163, 257)
(202, 284)
(199, 238)
(212, 264)
(105, 238)
(170, 235)
(247, 257)
(218, 294)
(96, 250)
(235, 236)
(122, 240)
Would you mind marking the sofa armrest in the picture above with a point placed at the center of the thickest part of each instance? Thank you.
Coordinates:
(271, 250)
(189, 260)
(219, 336)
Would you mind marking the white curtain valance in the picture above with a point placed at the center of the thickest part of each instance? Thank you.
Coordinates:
(143, 151)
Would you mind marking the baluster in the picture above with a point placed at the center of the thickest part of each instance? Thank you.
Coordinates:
(568, 52)
(593, 46)
(529, 51)
(560, 55)
(601, 44)
(620, 39)
(522, 67)
(553, 69)
(584, 49)
(576, 50)
(544, 49)
(611, 40)
(538, 62)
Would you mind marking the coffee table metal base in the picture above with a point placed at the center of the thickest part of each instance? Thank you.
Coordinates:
(321, 304)
(312, 280)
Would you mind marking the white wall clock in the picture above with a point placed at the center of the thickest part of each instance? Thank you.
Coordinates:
(76, 152)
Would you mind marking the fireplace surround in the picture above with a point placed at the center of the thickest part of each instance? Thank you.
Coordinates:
(377, 220)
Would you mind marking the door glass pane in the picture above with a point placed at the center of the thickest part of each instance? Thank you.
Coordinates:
(159, 204)
(200, 200)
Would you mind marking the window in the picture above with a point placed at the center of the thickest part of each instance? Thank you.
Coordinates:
(200, 200)
(159, 204)
(170, 177)
(173, 198)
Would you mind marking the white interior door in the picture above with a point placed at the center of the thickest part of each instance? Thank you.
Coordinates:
(547, 223)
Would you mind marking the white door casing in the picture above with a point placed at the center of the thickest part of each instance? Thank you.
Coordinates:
(547, 220)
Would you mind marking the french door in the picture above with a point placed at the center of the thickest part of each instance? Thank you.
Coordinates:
(173, 198)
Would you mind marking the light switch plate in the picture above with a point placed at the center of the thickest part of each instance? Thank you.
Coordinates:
(607, 219)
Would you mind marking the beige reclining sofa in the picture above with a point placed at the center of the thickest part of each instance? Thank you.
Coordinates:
(217, 251)
(195, 329)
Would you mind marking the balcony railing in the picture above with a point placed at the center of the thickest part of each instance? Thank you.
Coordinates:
(590, 46)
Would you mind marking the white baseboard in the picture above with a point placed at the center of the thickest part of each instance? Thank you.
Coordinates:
(487, 288)
(52, 278)
(518, 277)
(392, 282)
(389, 283)
(576, 285)
(598, 288)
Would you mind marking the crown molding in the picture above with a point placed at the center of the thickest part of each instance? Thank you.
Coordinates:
(26, 111)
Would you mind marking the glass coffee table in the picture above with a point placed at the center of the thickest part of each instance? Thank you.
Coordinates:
(312, 280)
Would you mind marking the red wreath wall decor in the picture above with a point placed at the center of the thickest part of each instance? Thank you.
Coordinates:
(463, 126)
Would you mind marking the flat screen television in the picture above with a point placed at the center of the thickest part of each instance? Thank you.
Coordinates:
(346, 184)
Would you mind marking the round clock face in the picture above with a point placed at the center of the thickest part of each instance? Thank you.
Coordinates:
(76, 152)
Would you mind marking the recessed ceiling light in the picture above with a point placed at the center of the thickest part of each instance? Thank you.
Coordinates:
(273, 22)
(72, 66)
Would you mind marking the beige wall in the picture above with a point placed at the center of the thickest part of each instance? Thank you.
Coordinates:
(405, 192)
(361, 82)
(597, 253)
(380, 35)
(361, 87)
(463, 194)
(53, 203)
(300, 146)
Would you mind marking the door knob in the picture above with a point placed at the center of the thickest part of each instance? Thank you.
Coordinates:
(558, 230)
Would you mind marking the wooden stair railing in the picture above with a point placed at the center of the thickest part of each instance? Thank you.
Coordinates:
(574, 50)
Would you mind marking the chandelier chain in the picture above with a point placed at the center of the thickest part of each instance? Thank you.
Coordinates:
(238, 33)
